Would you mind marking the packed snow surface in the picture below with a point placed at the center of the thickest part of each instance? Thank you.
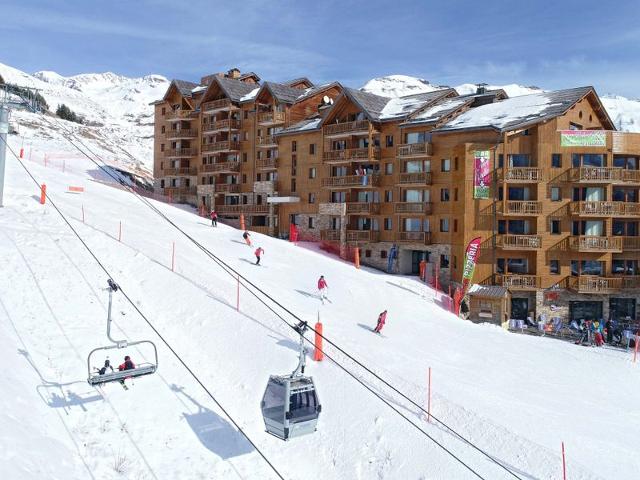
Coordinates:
(517, 397)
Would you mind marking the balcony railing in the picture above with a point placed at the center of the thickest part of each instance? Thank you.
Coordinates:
(271, 118)
(268, 141)
(244, 209)
(519, 242)
(330, 235)
(595, 284)
(363, 208)
(522, 174)
(351, 155)
(184, 171)
(176, 115)
(518, 281)
(267, 163)
(182, 133)
(353, 181)
(217, 105)
(174, 191)
(631, 176)
(605, 208)
(221, 125)
(631, 243)
(227, 188)
(513, 207)
(181, 152)
(415, 150)
(417, 178)
(221, 167)
(355, 236)
(412, 207)
(414, 237)
(589, 243)
(347, 128)
(225, 146)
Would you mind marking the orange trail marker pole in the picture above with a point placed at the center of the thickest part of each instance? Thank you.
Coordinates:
(173, 257)
(43, 193)
(429, 397)
(357, 257)
(564, 464)
(318, 355)
(635, 351)
(21, 153)
(120, 232)
(242, 225)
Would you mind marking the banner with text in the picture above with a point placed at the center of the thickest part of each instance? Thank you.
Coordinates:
(470, 258)
(583, 138)
(481, 174)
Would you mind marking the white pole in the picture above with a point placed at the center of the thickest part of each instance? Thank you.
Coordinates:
(4, 129)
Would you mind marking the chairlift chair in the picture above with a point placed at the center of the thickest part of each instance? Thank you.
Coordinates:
(94, 378)
(290, 405)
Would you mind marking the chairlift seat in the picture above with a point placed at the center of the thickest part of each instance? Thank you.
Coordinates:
(143, 369)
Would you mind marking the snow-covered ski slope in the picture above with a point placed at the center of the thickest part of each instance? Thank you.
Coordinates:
(517, 397)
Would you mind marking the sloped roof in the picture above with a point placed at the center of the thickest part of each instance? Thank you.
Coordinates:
(371, 104)
(249, 75)
(184, 87)
(298, 80)
(282, 93)
(234, 89)
(308, 124)
(522, 111)
(403, 106)
(487, 291)
(438, 111)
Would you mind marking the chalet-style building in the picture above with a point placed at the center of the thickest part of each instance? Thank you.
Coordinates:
(559, 221)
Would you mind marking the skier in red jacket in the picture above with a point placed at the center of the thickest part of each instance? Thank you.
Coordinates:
(259, 251)
(214, 218)
(322, 288)
(382, 318)
(127, 365)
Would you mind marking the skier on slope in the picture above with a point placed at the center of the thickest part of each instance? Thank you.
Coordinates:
(214, 218)
(259, 251)
(247, 238)
(322, 288)
(127, 365)
(382, 319)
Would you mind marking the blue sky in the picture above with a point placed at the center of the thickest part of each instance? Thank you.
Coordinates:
(551, 44)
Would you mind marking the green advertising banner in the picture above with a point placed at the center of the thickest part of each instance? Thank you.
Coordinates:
(583, 138)
(481, 174)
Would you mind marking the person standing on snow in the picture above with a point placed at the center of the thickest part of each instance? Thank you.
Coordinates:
(247, 238)
(382, 319)
(259, 251)
(322, 288)
(214, 218)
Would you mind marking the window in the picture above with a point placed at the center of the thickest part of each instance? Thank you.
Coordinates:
(556, 160)
(161, 183)
(294, 146)
(445, 165)
(246, 114)
(312, 172)
(388, 224)
(574, 126)
(244, 178)
(455, 194)
(388, 196)
(501, 160)
(162, 129)
(164, 110)
(312, 222)
(244, 156)
(162, 147)
(383, 254)
(455, 262)
(312, 198)
(554, 267)
(367, 253)
(444, 224)
(388, 168)
(389, 141)
(555, 227)
(293, 185)
(556, 195)
(455, 224)
(312, 149)
(455, 163)
(444, 194)
(444, 261)
(246, 136)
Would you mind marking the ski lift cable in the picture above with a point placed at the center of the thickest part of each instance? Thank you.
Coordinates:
(148, 322)
(231, 271)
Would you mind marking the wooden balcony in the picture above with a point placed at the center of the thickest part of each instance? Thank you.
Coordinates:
(588, 243)
(423, 238)
(227, 188)
(267, 164)
(271, 118)
(226, 146)
(605, 209)
(229, 124)
(631, 244)
(352, 181)
(631, 177)
(268, 141)
(182, 133)
(414, 150)
(175, 191)
(180, 171)
(519, 242)
(517, 207)
(363, 208)
(359, 127)
(217, 106)
(181, 153)
(247, 209)
(366, 154)
(357, 236)
(603, 285)
(522, 175)
(181, 115)
(330, 235)
(417, 178)
(222, 167)
(518, 281)
(595, 175)
(422, 208)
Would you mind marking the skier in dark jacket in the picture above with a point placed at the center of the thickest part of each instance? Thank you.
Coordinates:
(127, 365)
(247, 238)
(105, 369)
(382, 319)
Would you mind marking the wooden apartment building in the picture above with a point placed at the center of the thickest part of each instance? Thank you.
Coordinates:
(560, 229)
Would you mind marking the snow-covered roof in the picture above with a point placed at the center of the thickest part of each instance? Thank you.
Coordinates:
(402, 106)
(199, 89)
(440, 110)
(518, 111)
(488, 291)
(251, 95)
(305, 125)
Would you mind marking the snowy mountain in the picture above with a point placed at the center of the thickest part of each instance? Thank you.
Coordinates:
(624, 112)
(118, 117)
